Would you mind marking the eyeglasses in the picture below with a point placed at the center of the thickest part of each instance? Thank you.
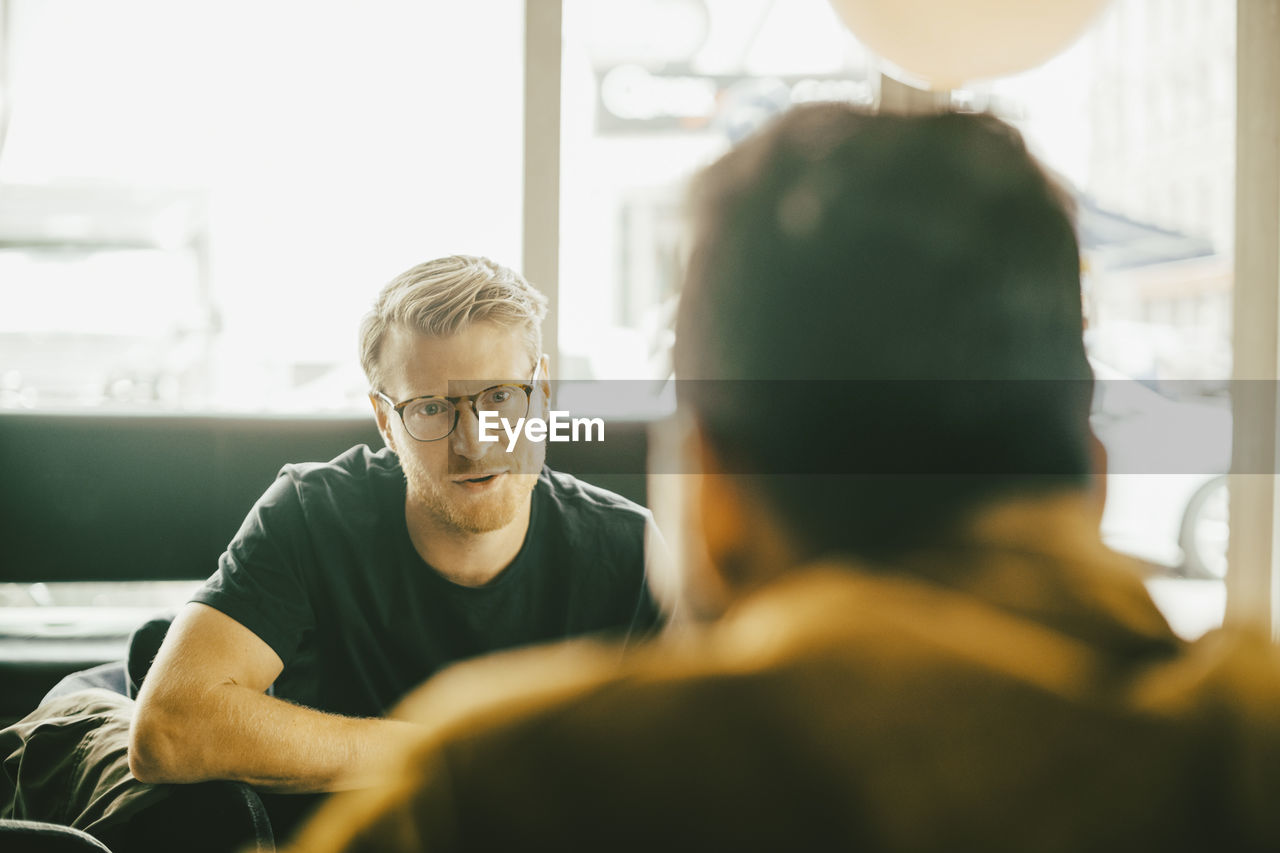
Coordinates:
(433, 418)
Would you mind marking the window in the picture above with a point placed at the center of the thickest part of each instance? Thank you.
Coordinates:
(652, 91)
(1110, 115)
(199, 222)
(1154, 181)
(199, 201)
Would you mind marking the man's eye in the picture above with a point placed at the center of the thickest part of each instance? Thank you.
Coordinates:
(429, 409)
(500, 395)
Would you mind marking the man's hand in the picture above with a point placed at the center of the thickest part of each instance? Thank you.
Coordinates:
(203, 713)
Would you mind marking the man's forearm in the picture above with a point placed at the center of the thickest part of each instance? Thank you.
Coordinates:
(229, 731)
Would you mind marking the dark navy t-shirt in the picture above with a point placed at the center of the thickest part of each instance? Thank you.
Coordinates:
(323, 571)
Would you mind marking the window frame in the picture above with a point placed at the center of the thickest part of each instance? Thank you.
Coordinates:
(1253, 582)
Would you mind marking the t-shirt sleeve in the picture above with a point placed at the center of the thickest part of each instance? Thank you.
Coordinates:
(260, 580)
(649, 616)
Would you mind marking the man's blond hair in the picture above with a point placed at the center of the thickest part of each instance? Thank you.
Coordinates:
(443, 297)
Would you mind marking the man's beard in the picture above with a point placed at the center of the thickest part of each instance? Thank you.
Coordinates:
(466, 513)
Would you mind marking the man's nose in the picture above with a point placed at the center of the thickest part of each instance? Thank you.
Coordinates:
(465, 441)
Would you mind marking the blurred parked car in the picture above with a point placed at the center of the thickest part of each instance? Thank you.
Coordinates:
(1166, 482)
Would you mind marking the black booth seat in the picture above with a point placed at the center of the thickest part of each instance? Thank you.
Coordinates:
(158, 497)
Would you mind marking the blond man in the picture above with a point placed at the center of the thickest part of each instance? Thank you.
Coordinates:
(352, 581)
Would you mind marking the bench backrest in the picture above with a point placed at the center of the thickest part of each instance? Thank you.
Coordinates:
(130, 497)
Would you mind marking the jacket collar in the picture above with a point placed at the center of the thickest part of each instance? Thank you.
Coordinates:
(1038, 559)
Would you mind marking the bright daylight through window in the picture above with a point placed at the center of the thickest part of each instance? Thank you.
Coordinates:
(198, 202)
(199, 223)
(1137, 118)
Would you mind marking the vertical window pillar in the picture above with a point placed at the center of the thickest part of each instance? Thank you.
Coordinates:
(541, 214)
(1253, 593)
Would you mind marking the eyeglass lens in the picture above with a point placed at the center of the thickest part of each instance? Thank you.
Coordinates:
(432, 418)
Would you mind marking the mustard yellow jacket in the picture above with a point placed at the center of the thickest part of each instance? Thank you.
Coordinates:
(1017, 691)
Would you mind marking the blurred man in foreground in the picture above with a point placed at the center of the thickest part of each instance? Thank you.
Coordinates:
(921, 642)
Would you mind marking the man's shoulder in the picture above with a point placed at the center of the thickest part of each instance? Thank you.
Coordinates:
(598, 526)
(848, 639)
(353, 485)
(572, 494)
(359, 463)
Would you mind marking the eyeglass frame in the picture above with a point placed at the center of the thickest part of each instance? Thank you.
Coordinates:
(528, 388)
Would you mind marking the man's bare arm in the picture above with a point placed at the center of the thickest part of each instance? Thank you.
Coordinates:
(203, 713)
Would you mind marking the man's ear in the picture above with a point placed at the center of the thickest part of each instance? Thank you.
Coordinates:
(544, 381)
(383, 418)
(1098, 465)
(723, 515)
(744, 540)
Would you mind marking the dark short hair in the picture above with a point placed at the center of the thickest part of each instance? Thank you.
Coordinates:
(903, 295)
